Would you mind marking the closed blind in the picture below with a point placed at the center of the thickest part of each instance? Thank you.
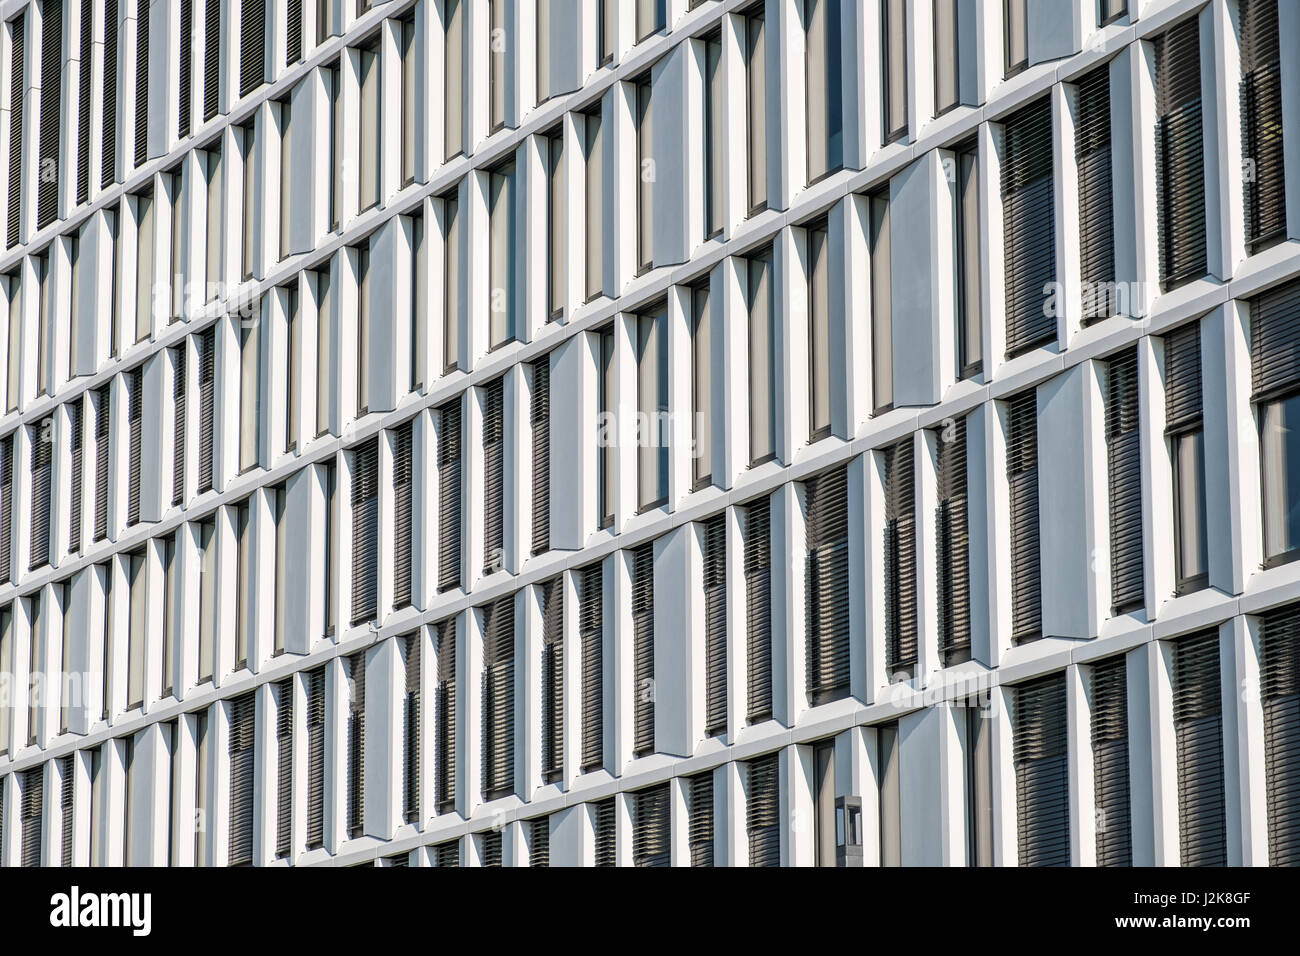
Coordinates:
(758, 611)
(1022, 477)
(243, 723)
(953, 547)
(1198, 736)
(135, 425)
(1096, 214)
(540, 421)
(900, 559)
(1042, 773)
(284, 766)
(539, 843)
(411, 729)
(1279, 681)
(316, 758)
(449, 494)
(1124, 465)
(293, 32)
(356, 668)
(493, 477)
(651, 827)
(365, 532)
(178, 425)
(186, 66)
(591, 639)
(252, 45)
(492, 849)
(606, 834)
(211, 58)
(1261, 119)
(498, 698)
(17, 89)
(403, 515)
(447, 854)
(1274, 334)
(42, 456)
(1109, 707)
(108, 130)
(1029, 229)
(699, 795)
(1180, 171)
(84, 69)
(206, 342)
(103, 417)
(445, 715)
(553, 680)
(827, 582)
(1183, 378)
(47, 197)
(33, 806)
(6, 505)
(66, 809)
(142, 83)
(643, 649)
(715, 624)
(763, 811)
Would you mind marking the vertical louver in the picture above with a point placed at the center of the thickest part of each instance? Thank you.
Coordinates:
(553, 680)
(449, 495)
(211, 58)
(6, 505)
(445, 715)
(1096, 216)
(403, 516)
(1042, 773)
(539, 843)
(1124, 468)
(33, 805)
(763, 811)
(77, 454)
(142, 82)
(185, 80)
(953, 545)
(135, 423)
(827, 583)
(293, 33)
(283, 766)
(252, 45)
(1274, 332)
(900, 559)
(411, 730)
(715, 624)
(85, 68)
(498, 698)
(178, 426)
(47, 196)
(315, 758)
(17, 90)
(1180, 172)
(42, 458)
(1261, 118)
(1110, 761)
(1022, 478)
(643, 649)
(1279, 682)
(108, 126)
(365, 531)
(494, 476)
(356, 731)
(66, 814)
(540, 422)
(606, 833)
(591, 640)
(103, 415)
(1029, 230)
(206, 343)
(699, 811)
(242, 749)
(758, 611)
(651, 827)
(1198, 737)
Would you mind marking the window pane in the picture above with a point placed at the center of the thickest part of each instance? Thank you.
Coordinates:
(825, 92)
(250, 399)
(555, 218)
(645, 178)
(501, 191)
(370, 145)
(143, 268)
(1017, 38)
(1281, 466)
(605, 435)
(882, 333)
(701, 352)
(453, 99)
(968, 277)
(451, 283)
(1189, 502)
(363, 328)
(895, 36)
(819, 343)
(652, 408)
(945, 55)
(409, 116)
(498, 50)
(595, 210)
(762, 411)
(715, 135)
(757, 111)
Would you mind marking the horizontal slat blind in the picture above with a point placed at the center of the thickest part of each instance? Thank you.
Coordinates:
(293, 38)
(6, 505)
(447, 854)
(1022, 476)
(1096, 217)
(142, 82)
(103, 419)
(1042, 773)
(66, 809)
(411, 662)
(494, 476)
(178, 425)
(42, 458)
(85, 69)
(356, 671)
(445, 714)
(449, 495)
(699, 794)
(900, 559)
(1124, 465)
(108, 125)
(243, 724)
(591, 638)
(403, 515)
(211, 58)
(17, 90)
(498, 698)
(315, 758)
(1180, 167)
(47, 198)
(1109, 710)
(758, 610)
(1029, 230)
(1279, 681)
(606, 834)
(33, 805)
(643, 649)
(206, 342)
(186, 67)
(1198, 736)
(827, 582)
(553, 680)
(715, 624)
(252, 45)
(651, 827)
(540, 421)
(284, 766)
(1183, 378)
(365, 532)
(135, 424)
(539, 843)
(491, 849)
(952, 522)
(763, 811)
(1261, 119)
(1275, 341)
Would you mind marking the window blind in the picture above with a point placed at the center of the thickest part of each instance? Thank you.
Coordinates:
(252, 45)
(1198, 738)
(540, 421)
(6, 505)
(84, 69)
(763, 811)
(1279, 681)
(1109, 707)
(699, 795)
(449, 494)
(491, 849)
(553, 680)
(1261, 118)
(827, 582)
(1183, 378)
(42, 458)
(494, 477)
(539, 844)
(135, 423)
(108, 127)
(178, 424)
(715, 623)
(142, 83)
(953, 546)
(1274, 331)
(445, 715)
(403, 515)
(1124, 464)
(293, 32)
(651, 827)
(499, 698)
(1180, 174)
(243, 722)
(284, 766)
(206, 342)
(103, 416)
(33, 804)
(591, 638)
(211, 58)
(365, 532)
(606, 834)
(900, 559)
(1042, 773)
(643, 649)
(186, 66)
(316, 758)
(1022, 477)
(1096, 215)
(18, 27)
(47, 196)
(447, 854)
(411, 661)
(758, 610)
(356, 672)
(1029, 227)
(67, 816)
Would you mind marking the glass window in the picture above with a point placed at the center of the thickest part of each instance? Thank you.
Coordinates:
(825, 79)
(278, 498)
(44, 326)
(893, 31)
(143, 268)
(1191, 552)
(970, 335)
(250, 391)
(451, 282)
(650, 17)
(543, 51)
(13, 284)
(891, 833)
(363, 328)
(498, 49)
(555, 222)
(410, 118)
(243, 583)
(715, 135)
(652, 408)
(756, 108)
(334, 91)
(819, 332)
(370, 146)
(1111, 10)
(645, 175)
(946, 56)
(1280, 463)
(501, 226)
(606, 428)
(701, 385)
(1017, 34)
(762, 396)
(882, 331)
(605, 35)
(595, 239)
(419, 303)
(138, 616)
(293, 372)
(246, 139)
(325, 377)
(286, 187)
(453, 130)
